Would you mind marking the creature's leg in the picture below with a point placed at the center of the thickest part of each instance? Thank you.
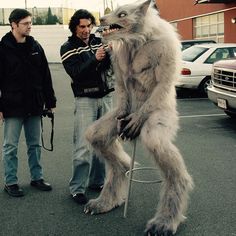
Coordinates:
(102, 135)
(157, 135)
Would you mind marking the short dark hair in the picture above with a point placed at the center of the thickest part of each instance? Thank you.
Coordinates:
(80, 14)
(18, 14)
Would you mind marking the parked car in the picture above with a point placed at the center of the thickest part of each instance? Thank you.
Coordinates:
(188, 43)
(222, 90)
(197, 64)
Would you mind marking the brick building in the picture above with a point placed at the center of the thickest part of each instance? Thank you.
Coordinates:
(202, 19)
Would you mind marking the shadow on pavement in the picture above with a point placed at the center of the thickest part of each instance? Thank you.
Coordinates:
(189, 93)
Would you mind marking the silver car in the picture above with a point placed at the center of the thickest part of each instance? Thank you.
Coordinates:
(197, 64)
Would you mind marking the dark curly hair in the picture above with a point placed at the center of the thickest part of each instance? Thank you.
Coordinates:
(80, 14)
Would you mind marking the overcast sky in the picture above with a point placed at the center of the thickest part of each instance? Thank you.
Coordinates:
(92, 5)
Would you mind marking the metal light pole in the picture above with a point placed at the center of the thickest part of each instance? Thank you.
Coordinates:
(104, 7)
(112, 5)
(25, 4)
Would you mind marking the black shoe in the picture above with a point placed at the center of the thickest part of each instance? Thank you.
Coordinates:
(96, 188)
(80, 198)
(41, 185)
(14, 190)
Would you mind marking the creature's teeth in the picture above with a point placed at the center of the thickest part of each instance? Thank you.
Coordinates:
(108, 31)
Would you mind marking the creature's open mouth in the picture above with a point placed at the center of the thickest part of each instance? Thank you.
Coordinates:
(108, 28)
(115, 26)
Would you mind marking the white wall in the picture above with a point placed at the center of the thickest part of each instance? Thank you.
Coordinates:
(51, 37)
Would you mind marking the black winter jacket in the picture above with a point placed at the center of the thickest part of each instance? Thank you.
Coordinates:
(25, 79)
(87, 74)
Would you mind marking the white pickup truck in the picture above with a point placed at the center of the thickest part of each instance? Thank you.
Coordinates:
(222, 90)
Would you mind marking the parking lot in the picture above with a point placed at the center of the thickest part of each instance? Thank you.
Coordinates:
(206, 139)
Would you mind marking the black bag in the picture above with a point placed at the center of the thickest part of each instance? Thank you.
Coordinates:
(49, 114)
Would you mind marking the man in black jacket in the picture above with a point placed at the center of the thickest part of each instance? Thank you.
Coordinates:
(26, 89)
(87, 63)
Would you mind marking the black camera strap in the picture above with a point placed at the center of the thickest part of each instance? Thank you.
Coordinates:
(52, 133)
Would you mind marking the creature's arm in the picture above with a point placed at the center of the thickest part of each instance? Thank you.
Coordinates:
(122, 98)
(122, 106)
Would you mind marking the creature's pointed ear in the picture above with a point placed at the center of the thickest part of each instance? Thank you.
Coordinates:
(154, 5)
(144, 6)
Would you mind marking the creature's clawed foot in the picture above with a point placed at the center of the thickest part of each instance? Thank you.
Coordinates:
(158, 232)
(98, 206)
(156, 228)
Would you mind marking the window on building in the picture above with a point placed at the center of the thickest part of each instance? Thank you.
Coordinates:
(210, 27)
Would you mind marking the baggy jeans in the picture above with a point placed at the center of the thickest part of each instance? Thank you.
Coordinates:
(12, 131)
(87, 169)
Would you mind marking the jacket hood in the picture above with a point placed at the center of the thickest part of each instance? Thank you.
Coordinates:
(9, 40)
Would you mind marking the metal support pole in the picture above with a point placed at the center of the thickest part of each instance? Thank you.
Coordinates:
(130, 178)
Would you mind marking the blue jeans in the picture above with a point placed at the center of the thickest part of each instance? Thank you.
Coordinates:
(12, 130)
(87, 169)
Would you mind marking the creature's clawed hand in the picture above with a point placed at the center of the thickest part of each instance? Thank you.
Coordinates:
(129, 127)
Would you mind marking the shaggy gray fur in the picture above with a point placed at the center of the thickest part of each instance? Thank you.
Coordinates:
(146, 55)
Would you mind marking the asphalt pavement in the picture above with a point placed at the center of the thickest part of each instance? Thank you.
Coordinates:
(206, 140)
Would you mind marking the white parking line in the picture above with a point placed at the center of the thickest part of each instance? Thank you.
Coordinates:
(195, 116)
(191, 99)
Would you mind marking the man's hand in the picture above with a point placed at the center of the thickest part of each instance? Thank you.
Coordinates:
(52, 110)
(100, 53)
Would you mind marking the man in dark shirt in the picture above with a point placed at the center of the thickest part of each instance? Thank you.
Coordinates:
(26, 89)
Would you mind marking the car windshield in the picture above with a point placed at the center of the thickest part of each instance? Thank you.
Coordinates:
(192, 53)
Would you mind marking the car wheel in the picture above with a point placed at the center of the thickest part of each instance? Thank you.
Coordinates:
(204, 84)
(230, 114)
